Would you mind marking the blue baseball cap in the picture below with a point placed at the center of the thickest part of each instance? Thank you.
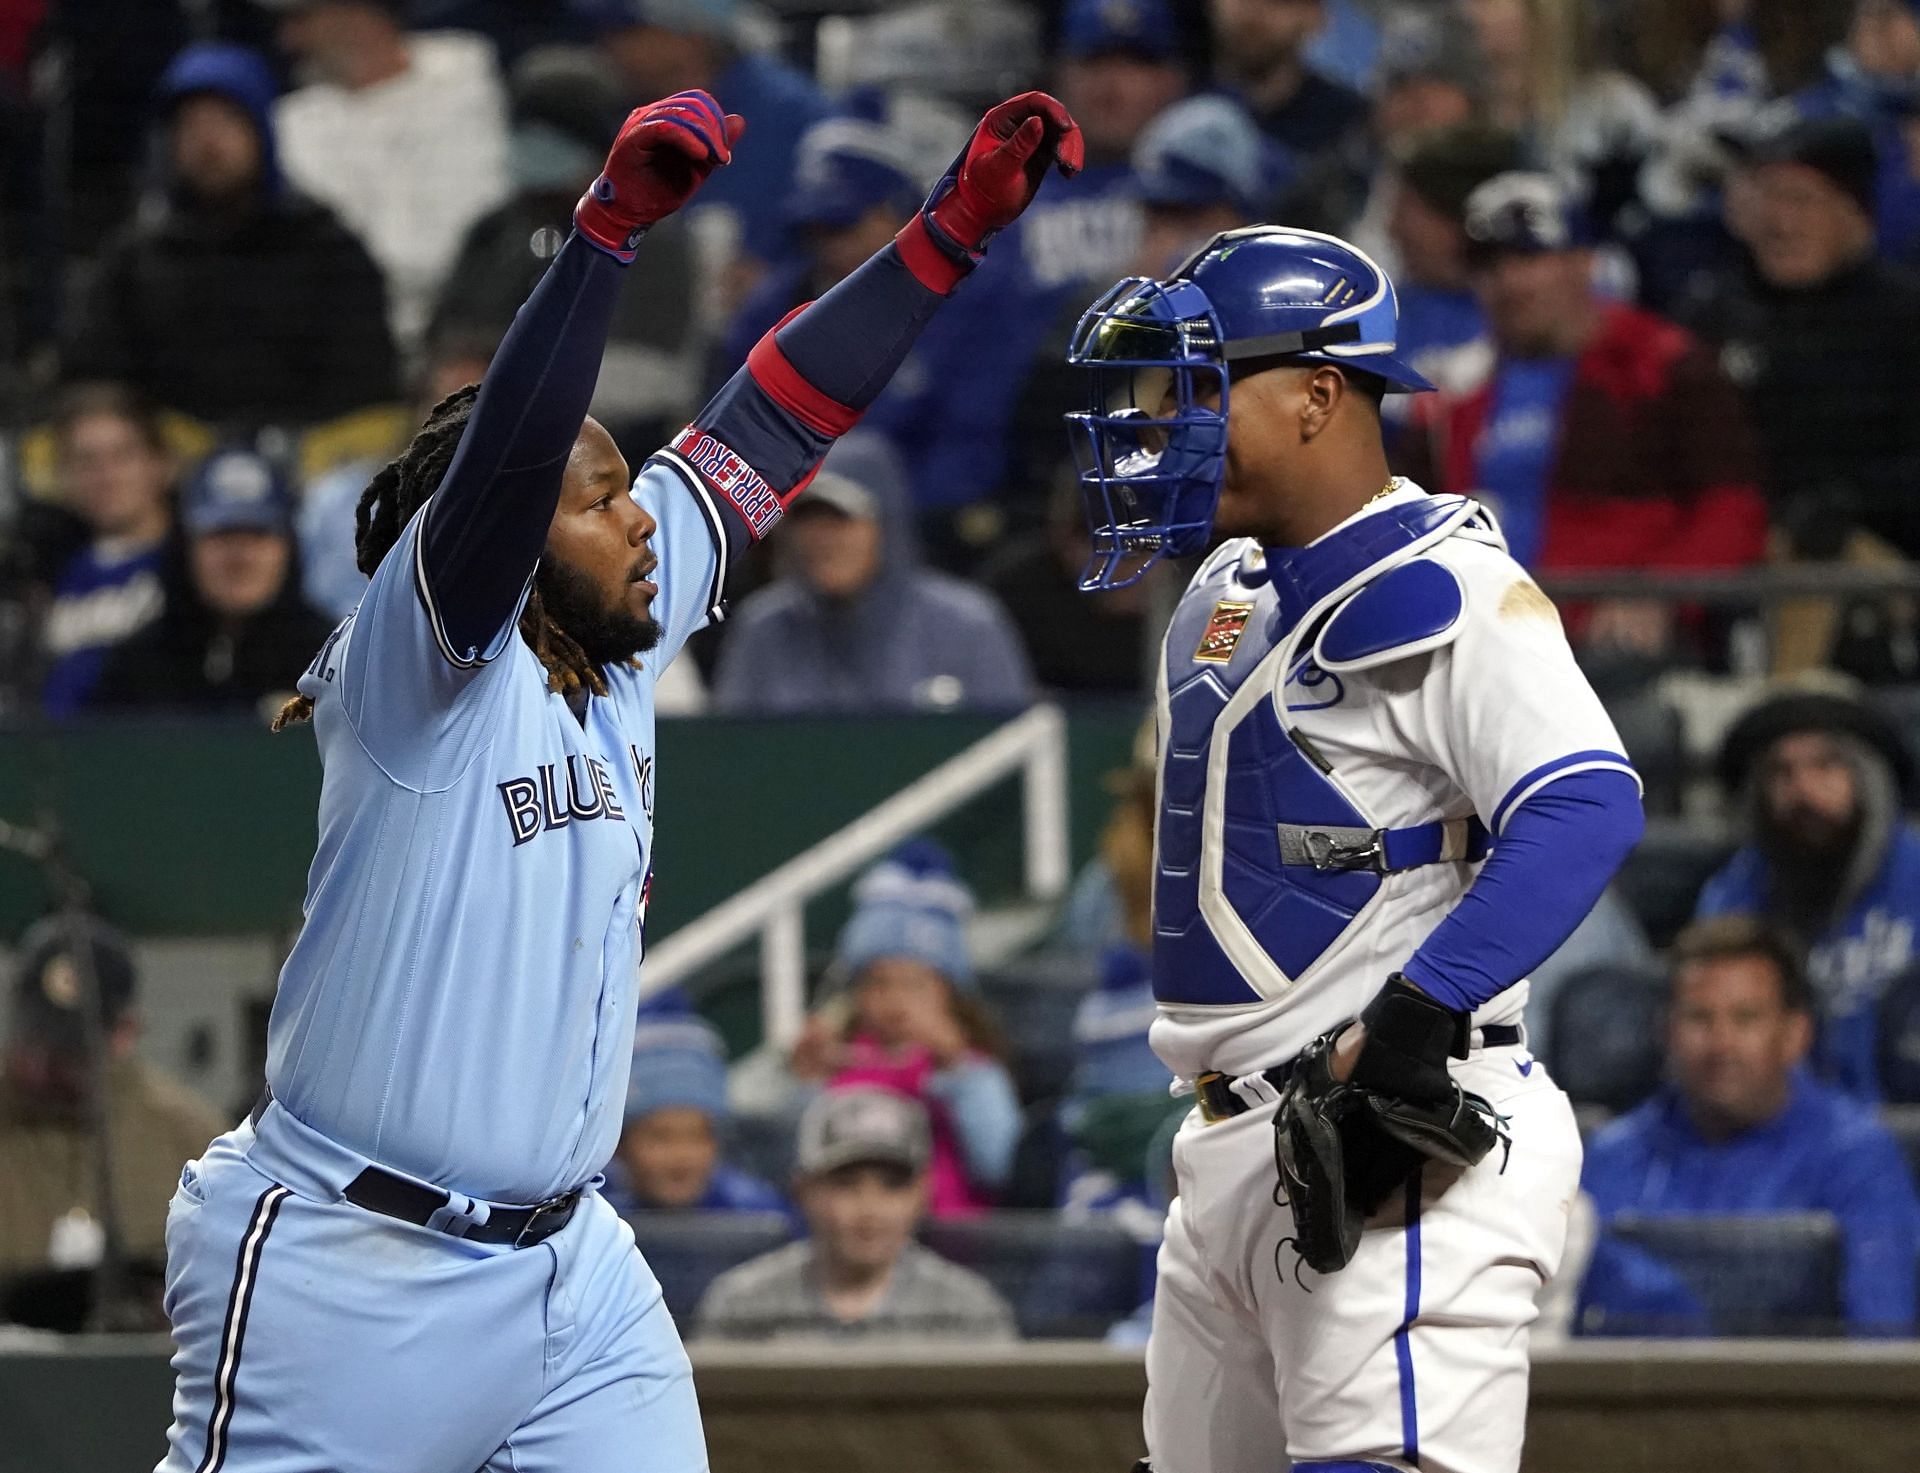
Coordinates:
(1138, 27)
(844, 167)
(1206, 151)
(236, 490)
(1524, 214)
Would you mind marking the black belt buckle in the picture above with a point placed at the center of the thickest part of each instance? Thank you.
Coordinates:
(536, 1228)
(1324, 852)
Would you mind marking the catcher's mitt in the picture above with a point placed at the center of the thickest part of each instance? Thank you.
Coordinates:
(1343, 1147)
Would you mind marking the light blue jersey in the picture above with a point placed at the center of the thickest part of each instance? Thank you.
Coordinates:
(460, 1003)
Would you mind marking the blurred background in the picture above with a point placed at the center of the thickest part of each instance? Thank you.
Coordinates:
(1658, 255)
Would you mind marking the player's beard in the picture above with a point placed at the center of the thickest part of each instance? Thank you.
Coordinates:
(609, 635)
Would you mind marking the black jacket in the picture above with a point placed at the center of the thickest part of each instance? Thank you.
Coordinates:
(190, 659)
(278, 317)
(1831, 375)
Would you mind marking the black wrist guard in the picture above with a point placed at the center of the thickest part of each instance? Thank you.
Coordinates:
(1410, 1036)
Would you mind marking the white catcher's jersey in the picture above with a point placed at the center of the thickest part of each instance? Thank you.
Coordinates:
(1398, 672)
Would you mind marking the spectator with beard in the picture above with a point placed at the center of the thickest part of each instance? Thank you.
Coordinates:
(1741, 1129)
(237, 637)
(234, 299)
(1831, 858)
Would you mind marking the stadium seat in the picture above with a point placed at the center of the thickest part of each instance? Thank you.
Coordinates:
(1039, 1160)
(1765, 1275)
(1064, 1280)
(763, 1145)
(1034, 998)
(1661, 879)
(687, 1251)
(1606, 1036)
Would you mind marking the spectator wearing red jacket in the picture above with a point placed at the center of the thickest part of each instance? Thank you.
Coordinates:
(1604, 436)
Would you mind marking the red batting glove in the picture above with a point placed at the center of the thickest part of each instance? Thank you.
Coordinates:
(662, 155)
(999, 172)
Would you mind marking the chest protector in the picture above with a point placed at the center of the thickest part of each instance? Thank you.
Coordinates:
(1262, 859)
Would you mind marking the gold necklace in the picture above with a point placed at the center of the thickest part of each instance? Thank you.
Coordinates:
(1393, 483)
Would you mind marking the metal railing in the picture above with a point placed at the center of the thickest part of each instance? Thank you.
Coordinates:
(774, 906)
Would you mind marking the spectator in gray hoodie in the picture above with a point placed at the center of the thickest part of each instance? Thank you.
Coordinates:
(854, 624)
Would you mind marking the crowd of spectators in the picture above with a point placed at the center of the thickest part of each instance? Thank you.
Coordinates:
(1657, 254)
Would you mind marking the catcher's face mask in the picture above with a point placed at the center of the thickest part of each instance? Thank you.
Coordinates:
(1150, 455)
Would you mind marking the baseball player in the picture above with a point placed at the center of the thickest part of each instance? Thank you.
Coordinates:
(1384, 793)
(401, 1260)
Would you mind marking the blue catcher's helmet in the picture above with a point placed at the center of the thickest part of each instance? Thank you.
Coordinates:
(1150, 454)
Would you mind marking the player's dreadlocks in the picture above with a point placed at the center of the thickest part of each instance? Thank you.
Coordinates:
(392, 497)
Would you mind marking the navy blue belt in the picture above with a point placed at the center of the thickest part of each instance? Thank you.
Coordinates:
(381, 1191)
(1218, 1100)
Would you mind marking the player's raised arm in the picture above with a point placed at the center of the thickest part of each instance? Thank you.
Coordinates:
(755, 446)
(487, 523)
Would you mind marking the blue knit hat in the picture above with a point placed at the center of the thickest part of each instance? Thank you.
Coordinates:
(678, 1060)
(910, 905)
(1110, 1031)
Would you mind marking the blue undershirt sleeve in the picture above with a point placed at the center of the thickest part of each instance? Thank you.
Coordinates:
(1556, 852)
(486, 525)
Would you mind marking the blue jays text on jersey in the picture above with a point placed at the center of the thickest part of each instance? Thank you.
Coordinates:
(478, 886)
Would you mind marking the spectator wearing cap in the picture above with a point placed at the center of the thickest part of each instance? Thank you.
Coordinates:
(233, 298)
(565, 110)
(1873, 77)
(911, 1021)
(669, 1156)
(862, 1184)
(1830, 857)
(1605, 437)
(1259, 48)
(1823, 339)
(115, 476)
(50, 1213)
(238, 636)
(1741, 1128)
(854, 625)
(402, 135)
(667, 46)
